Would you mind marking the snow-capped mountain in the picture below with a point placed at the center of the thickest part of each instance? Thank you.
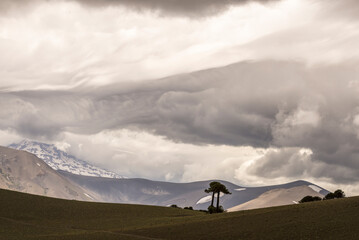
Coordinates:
(60, 160)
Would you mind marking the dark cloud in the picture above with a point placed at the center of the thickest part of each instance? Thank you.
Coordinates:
(191, 8)
(260, 104)
(295, 163)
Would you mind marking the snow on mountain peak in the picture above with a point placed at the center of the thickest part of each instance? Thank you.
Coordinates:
(60, 160)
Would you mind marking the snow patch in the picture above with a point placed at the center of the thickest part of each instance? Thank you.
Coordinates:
(208, 198)
(315, 188)
(88, 196)
(240, 189)
(38, 164)
(204, 200)
(155, 192)
(295, 202)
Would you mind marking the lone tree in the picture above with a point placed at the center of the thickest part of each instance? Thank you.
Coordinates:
(216, 187)
(212, 189)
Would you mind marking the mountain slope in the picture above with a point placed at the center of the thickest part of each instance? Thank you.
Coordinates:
(278, 197)
(143, 191)
(24, 172)
(60, 160)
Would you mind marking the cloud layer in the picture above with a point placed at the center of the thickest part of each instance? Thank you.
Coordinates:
(93, 73)
(283, 105)
(195, 9)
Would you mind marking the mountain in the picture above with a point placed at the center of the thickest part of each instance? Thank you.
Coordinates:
(24, 172)
(60, 160)
(143, 191)
(69, 181)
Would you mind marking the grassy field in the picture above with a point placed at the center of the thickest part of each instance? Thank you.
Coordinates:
(24, 216)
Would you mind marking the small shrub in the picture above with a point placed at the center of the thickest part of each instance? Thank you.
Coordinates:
(212, 209)
(220, 210)
(174, 206)
(329, 196)
(310, 199)
(337, 194)
(188, 208)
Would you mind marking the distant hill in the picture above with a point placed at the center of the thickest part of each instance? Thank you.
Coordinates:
(20, 173)
(280, 196)
(25, 216)
(24, 172)
(143, 191)
(60, 160)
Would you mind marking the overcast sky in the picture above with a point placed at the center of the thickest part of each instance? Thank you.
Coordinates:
(254, 92)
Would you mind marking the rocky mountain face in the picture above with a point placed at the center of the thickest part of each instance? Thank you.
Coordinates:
(24, 172)
(60, 160)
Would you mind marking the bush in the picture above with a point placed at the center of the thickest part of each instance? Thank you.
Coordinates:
(174, 206)
(310, 199)
(212, 209)
(188, 208)
(329, 196)
(337, 194)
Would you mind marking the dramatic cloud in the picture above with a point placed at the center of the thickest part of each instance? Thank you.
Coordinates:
(284, 105)
(190, 8)
(63, 44)
(197, 8)
(95, 73)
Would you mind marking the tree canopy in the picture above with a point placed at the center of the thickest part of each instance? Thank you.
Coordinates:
(216, 187)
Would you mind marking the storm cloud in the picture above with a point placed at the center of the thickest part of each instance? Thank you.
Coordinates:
(197, 8)
(190, 8)
(118, 82)
(284, 105)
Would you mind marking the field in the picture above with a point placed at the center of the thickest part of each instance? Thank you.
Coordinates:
(24, 216)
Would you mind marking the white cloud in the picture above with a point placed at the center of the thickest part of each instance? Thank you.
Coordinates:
(140, 154)
(306, 117)
(64, 44)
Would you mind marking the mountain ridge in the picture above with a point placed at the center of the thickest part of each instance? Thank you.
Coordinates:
(24, 172)
(149, 192)
(61, 160)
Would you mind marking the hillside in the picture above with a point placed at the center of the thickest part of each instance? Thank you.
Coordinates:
(24, 172)
(24, 216)
(277, 197)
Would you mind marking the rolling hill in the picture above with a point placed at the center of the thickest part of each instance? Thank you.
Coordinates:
(143, 191)
(25, 216)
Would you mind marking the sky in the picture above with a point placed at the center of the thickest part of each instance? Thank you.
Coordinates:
(255, 92)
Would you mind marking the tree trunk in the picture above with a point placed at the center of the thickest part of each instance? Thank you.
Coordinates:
(218, 201)
(212, 198)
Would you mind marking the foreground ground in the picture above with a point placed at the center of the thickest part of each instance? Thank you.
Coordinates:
(24, 216)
